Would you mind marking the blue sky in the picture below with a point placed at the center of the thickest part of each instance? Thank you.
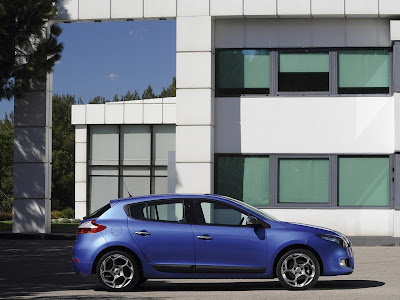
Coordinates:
(111, 58)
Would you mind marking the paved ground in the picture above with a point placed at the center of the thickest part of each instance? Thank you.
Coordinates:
(42, 270)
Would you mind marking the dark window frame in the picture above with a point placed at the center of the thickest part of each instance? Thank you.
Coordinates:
(333, 175)
(274, 69)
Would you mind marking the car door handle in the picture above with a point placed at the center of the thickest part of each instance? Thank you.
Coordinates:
(204, 237)
(143, 233)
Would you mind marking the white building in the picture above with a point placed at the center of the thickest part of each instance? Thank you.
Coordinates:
(290, 105)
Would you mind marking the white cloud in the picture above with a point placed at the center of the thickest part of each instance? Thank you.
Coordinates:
(112, 76)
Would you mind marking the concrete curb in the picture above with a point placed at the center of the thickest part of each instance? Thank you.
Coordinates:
(37, 236)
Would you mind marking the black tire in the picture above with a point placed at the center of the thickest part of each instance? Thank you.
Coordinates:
(141, 281)
(118, 271)
(298, 277)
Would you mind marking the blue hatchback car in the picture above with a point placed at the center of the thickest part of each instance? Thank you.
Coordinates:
(131, 240)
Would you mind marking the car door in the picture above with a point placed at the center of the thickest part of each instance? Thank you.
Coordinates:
(223, 241)
(160, 230)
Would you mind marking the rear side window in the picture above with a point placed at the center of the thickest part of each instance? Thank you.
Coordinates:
(99, 212)
(156, 211)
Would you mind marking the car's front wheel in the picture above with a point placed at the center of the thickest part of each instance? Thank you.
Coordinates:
(117, 271)
(298, 269)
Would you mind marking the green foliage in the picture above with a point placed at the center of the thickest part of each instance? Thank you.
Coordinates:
(6, 162)
(98, 100)
(26, 53)
(148, 93)
(66, 213)
(65, 220)
(63, 169)
(170, 91)
(5, 216)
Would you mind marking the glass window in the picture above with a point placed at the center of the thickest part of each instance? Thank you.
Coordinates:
(136, 180)
(217, 213)
(363, 181)
(303, 180)
(102, 190)
(167, 212)
(303, 72)
(364, 72)
(242, 72)
(244, 178)
(163, 142)
(135, 144)
(104, 141)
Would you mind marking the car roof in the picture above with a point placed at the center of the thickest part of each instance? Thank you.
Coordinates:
(166, 197)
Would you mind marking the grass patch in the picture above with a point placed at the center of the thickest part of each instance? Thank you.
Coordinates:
(6, 226)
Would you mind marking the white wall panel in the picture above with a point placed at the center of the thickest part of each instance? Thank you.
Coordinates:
(195, 70)
(80, 210)
(396, 225)
(80, 152)
(80, 192)
(152, 113)
(389, 8)
(397, 121)
(226, 7)
(95, 114)
(260, 8)
(78, 114)
(195, 107)
(194, 143)
(194, 177)
(133, 112)
(194, 34)
(362, 8)
(169, 114)
(80, 134)
(80, 172)
(126, 9)
(317, 125)
(351, 222)
(294, 8)
(68, 10)
(159, 9)
(192, 8)
(114, 113)
(230, 33)
(94, 9)
(327, 8)
(395, 30)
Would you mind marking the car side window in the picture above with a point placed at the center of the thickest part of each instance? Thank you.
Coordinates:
(218, 213)
(156, 211)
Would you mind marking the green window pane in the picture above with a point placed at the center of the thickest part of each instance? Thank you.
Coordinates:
(363, 71)
(303, 62)
(363, 181)
(303, 181)
(303, 72)
(243, 69)
(244, 178)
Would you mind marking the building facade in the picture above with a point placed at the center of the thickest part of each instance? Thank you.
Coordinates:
(289, 105)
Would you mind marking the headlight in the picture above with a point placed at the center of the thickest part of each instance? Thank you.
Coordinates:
(335, 239)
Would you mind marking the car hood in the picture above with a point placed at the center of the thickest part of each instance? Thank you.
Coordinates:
(312, 229)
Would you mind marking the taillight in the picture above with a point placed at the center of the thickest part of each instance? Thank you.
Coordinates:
(90, 227)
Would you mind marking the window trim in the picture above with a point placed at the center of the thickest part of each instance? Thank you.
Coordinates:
(127, 209)
(197, 205)
(333, 175)
(333, 72)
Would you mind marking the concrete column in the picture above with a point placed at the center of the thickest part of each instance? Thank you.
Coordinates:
(80, 170)
(195, 105)
(32, 159)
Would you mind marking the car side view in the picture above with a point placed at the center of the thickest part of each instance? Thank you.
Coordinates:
(131, 240)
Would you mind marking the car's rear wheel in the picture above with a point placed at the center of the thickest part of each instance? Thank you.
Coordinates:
(298, 269)
(118, 271)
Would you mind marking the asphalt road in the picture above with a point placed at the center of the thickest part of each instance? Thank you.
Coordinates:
(42, 270)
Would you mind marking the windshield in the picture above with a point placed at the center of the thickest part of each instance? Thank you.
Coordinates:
(252, 209)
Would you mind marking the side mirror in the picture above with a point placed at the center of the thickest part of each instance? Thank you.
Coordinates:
(252, 221)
